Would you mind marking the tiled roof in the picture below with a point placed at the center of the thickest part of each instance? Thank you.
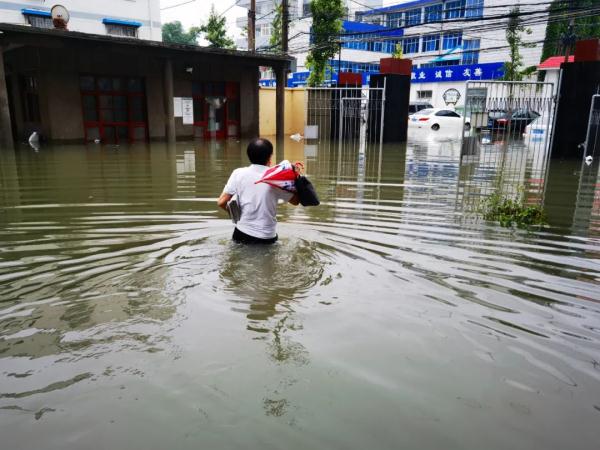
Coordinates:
(554, 62)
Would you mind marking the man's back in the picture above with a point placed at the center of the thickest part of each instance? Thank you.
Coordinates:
(258, 202)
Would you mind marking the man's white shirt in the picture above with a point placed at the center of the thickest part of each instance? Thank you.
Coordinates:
(258, 202)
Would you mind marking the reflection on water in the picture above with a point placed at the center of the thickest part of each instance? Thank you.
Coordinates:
(390, 316)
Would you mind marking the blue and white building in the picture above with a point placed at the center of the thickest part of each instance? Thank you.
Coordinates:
(449, 42)
(128, 18)
(452, 41)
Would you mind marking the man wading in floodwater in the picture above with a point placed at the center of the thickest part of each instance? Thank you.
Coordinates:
(258, 202)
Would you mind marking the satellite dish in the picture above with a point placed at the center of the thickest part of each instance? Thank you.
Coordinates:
(60, 16)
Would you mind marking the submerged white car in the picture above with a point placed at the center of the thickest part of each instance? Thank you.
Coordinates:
(437, 119)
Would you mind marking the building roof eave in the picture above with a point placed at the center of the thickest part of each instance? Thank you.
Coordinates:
(10, 32)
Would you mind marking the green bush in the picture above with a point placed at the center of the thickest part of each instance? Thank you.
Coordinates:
(512, 211)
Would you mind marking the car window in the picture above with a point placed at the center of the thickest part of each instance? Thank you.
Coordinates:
(446, 113)
(496, 113)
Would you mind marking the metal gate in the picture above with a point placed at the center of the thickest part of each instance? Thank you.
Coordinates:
(508, 130)
(587, 208)
(591, 146)
(352, 116)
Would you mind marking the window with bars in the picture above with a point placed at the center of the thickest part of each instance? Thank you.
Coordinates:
(424, 95)
(431, 43)
(410, 45)
(451, 40)
(413, 17)
(433, 13)
(455, 9)
(39, 21)
(121, 30)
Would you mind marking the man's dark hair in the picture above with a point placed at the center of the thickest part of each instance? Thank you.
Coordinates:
(259, 151)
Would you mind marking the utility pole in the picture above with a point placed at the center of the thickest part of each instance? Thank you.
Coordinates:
(569, 39)
(252, 26)
(285, 21)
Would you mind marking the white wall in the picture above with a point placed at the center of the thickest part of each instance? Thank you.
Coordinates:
(87, 15)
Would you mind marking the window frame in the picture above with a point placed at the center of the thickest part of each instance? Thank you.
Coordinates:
(474, 8)
(395, 20)
(420, 95)
(437, 11)
(411, 19)
(471, 49)
(454, 9)
(414, 41)
(448, 38)
(435, 39)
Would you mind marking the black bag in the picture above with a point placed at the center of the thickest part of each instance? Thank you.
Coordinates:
(306, 192)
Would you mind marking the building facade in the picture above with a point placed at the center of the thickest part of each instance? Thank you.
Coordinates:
(80, 87)
(453, 41)
(299, 10)
(449, 42)
(128, 18)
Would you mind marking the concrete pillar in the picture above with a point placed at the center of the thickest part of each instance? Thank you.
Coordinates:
(168, 98)
(6, 137)
(281, 78)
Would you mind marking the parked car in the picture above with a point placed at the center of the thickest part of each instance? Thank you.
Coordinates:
(414, 107)
(438, 119)
(500, 119)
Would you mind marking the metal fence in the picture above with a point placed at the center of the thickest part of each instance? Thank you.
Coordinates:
(591, 146)
(508, 130)
(352, 115)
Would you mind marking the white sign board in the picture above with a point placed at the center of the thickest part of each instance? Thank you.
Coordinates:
(311, 132)
(178, 111)
(187, 107)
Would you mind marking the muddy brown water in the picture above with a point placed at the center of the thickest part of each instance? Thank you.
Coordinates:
(389, 317)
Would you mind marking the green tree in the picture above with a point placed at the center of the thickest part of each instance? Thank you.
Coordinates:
(586, 27)
(327, 25)
(173, 32)
(514, 30)
(276, 34)
(215, 32)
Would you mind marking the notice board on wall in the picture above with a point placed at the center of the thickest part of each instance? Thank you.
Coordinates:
(177, 109)
(187, 108)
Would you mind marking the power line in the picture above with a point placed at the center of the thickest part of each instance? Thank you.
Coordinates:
(227, 10)
(177, 5)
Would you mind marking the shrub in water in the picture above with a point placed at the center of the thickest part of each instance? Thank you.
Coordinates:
(512, 211)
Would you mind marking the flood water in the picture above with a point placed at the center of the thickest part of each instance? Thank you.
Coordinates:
(389, 317)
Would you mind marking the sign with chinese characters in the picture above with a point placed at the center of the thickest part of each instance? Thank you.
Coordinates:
(187, 108)
(465, 72)
(485, 71)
